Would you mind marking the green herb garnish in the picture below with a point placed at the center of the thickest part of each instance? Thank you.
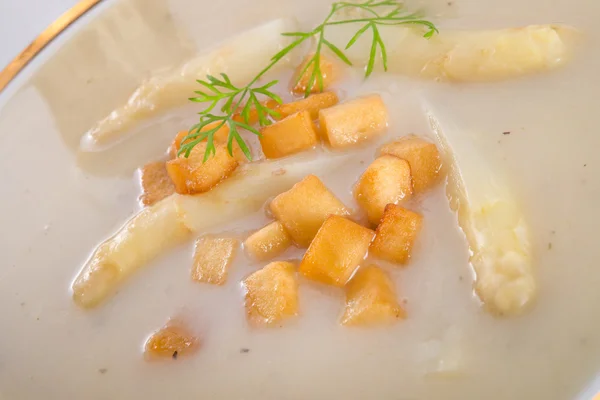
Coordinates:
(215, 90)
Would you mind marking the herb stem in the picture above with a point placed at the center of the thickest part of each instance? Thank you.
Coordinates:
(391, 21)
(261, 74)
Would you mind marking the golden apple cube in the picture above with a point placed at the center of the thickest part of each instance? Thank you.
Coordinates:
(330, 70)
(268, 242)
(288, 136)
(354, 121)
(253, 114)
(192, 175)
(272, 294)
(156, 184)
(424, 159)
(337, 250)
(371, 299)
(176, 143)
(303, 209)
(396, 234)
(313, 104)
(221, 136)
(386, 181)
(212, 259)
(172, 341)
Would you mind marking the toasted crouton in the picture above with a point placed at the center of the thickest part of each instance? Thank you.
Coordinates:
(303, 209)
(371, 299)
(354, 121)
(172, 341)
(221, 136)
(272, 294)
(422, 156)
(330, 71)
(192, 175)
(288, 136)
(212, 258)
(253, 115)
(268, 242)
(313, 104)
(396, 234)
(337, 250)
(386, 181)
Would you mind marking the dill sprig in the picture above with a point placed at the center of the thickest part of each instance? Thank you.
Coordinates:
(240, 103)
(217, 90)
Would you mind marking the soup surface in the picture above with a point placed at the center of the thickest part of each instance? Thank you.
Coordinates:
(59, 203)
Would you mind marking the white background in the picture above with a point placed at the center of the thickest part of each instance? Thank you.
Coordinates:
(22, 20)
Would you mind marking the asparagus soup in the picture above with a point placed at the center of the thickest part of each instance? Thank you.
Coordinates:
(371, 203)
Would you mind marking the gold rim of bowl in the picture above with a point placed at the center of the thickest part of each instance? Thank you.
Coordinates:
(40, 42)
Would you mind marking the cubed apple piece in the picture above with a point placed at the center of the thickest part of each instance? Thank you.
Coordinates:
(272, 294)
(337, 250)
(212, 258)
(424, 159)
(302, 78)
(174, 340)
(371, 299)
(253, 117)
(192, 175)
(288, 136)
(354, 121)
(386, 181)
(176, 143)
(156, 184)
(396, 234)
(221, 136)
(313, 104)
(268, 242)
(303, 209)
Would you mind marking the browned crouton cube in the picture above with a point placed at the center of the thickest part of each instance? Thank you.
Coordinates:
(192, 175)
(423, 157)
(330, 70)
(268, 242)
(386, 181)
(288, 136)
(212, 258)
(354, 121)
(396, 234)
(303, 209)
(371, 299)
(172, 341)
(336, 251)
(272, 294)
(176, 143)
(313, 104)
(156, 184)
(220, 137)
(253, 116)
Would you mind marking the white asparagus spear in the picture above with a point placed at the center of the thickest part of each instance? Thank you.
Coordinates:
(241, 58)
(153, 231)
(159, 228)
(494, 225)
(467, 56)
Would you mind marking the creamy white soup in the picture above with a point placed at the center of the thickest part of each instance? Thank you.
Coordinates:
(485, 286)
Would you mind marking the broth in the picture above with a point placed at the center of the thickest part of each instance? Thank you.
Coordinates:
(58, 205)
